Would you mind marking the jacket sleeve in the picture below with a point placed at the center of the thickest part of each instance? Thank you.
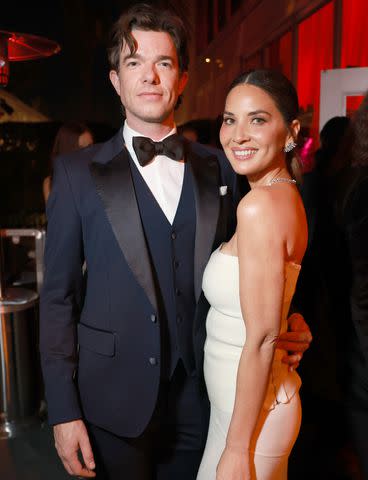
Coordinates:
(60, 302)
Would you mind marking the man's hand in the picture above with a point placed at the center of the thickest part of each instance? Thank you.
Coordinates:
(69, 438)
(296, 340)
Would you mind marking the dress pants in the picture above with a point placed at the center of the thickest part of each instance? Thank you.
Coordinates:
(171, 446)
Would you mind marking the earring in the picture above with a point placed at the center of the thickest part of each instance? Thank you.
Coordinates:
(290, 146)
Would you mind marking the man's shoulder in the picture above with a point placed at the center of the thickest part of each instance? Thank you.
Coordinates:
(82, 158)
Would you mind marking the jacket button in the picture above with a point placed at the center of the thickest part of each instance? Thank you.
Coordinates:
(178, 292)
(179, 319)
(173, 235)
(176, 264)
(153, 361)
(153, 318)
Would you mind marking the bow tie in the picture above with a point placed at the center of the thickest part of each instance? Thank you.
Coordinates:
(146, 149)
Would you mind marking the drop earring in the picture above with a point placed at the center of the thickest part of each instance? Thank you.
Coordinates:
(290, 146)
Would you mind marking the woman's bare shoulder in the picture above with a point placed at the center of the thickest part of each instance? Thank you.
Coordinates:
(259, 202)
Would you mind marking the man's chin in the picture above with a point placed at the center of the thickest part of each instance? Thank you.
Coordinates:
(155, 118)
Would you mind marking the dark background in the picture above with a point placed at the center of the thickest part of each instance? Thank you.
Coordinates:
(73, 84)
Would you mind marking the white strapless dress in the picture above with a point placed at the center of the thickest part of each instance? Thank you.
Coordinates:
(280, 418)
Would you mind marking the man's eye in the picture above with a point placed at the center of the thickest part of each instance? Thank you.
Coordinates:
(132, 64)
(165, 64)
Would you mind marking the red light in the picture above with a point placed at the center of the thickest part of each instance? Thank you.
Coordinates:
(4, 61)
(16, 47)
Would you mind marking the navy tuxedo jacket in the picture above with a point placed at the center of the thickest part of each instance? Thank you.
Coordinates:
(100, 332)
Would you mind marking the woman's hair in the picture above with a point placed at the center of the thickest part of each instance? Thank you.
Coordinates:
(283, 93)
(67, 138)
(148, 18)
(66, 141)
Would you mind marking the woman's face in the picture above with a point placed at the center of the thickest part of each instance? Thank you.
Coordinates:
(85, 140)
(253, 133)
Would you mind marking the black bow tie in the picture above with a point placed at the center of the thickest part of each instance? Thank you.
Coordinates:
(146, 149)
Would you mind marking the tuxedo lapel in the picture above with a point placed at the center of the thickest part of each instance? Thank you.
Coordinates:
(115, 187)
(206, 190)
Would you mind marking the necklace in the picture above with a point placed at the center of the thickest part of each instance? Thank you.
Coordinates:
(282, 179)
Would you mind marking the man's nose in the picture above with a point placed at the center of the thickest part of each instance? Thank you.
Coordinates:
(150, 74)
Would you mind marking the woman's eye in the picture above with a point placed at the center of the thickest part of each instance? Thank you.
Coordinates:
(258, 120)
(228, 120)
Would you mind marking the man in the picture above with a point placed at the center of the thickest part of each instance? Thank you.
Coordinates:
(122, 363)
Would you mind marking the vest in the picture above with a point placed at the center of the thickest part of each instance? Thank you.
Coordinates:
(171, 249)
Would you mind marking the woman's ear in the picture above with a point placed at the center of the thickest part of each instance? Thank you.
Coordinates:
(294, 130)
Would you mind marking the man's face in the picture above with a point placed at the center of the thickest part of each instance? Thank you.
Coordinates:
(149, 81)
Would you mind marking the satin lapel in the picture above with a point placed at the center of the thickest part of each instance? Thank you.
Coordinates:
(115, 186)
(207, 199)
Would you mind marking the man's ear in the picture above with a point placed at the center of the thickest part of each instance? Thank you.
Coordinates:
(183, 80)
(114, 78)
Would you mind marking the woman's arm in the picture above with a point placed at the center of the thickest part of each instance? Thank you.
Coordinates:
(261, 252)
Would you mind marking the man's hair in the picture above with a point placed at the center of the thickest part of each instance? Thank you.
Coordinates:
(149, 18)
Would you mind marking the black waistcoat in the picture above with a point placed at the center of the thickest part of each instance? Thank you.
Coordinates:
(172, 253)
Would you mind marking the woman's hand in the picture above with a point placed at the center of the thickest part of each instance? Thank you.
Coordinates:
(233, 465)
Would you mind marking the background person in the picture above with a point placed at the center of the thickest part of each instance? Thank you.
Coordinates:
(70, 137)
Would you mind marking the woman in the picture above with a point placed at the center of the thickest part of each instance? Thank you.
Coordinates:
(255, 406)
(70, 137)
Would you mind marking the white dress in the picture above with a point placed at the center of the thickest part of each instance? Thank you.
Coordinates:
(280, 419)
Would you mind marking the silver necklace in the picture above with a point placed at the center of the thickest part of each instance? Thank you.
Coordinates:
(282, 179)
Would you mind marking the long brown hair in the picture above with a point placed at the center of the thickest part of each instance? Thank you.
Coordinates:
(67, 141)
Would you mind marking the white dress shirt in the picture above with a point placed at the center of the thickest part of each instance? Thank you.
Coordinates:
(163, 175)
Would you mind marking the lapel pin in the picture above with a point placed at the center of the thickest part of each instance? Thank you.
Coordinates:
(223, 190)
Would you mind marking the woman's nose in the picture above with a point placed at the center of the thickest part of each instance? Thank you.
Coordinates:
(241, 134)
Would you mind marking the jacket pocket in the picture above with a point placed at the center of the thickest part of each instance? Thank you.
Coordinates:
(98, 341)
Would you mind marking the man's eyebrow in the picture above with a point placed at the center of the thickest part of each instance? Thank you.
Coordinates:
(137, 56)
(165, 57)
(132, 55)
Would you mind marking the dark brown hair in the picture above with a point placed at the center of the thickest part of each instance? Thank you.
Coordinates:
(67, 138)
(149, 18)
(283, 93)
(66, 141)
